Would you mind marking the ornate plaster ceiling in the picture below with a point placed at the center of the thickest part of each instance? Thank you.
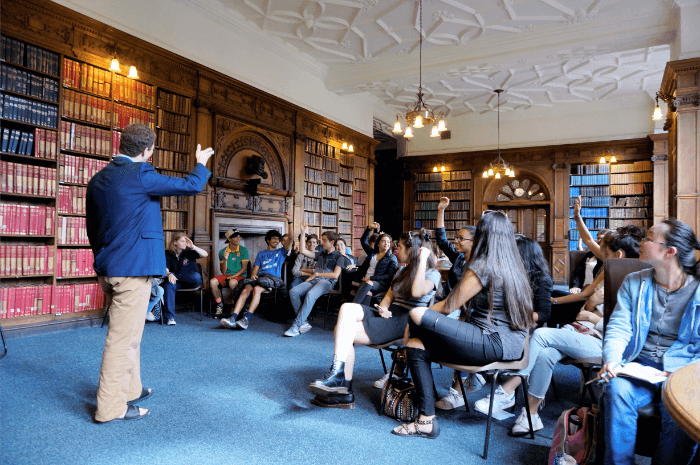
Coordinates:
(542, 52)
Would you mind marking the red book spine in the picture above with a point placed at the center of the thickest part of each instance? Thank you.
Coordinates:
(3, 302)
(24, 219)
(11, 294)
(50, 257)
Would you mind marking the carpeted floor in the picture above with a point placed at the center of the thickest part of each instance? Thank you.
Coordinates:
(231, 397)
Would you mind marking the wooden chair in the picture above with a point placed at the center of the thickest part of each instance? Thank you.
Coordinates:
(496, 368)
(575, 257)
(199, 289)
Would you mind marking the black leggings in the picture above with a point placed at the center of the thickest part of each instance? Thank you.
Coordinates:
(447, 340)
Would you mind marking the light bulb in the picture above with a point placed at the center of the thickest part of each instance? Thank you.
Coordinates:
(115, 65)
(345, 146)
(613, 159)
(132, 73)
(441, 125)
(350, 148)
(657, 114)
(602, 161)
(434, 132)
(397, 128)
(418, 123)
(512, 174)
(498, 175)
(485, 175)
(507, 171)
(409, 132)
(434, 169)
(442, 168)
(490, 172)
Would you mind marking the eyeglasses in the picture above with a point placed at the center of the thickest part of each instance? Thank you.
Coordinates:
(461, 239)
(646, 239)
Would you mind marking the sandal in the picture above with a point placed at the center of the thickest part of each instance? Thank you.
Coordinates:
(145, 394)
(405, 432)
(132, 413)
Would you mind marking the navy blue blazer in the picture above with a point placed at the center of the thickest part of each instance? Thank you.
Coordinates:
(124, 223)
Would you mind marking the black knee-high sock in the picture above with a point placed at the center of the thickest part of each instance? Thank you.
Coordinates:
(419, 363)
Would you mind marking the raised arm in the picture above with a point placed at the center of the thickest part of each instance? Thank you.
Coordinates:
(364, 240)
(581, 296)
(441, 236)
(583, 232)
(422, 286)
(302, 241)
(201, 252)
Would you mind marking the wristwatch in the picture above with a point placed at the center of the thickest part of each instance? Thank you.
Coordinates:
(554, 301)
(315, 274)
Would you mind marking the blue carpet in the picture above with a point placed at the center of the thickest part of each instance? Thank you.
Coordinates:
(231, 397)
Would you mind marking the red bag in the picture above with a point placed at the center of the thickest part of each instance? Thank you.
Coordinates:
(576, 435)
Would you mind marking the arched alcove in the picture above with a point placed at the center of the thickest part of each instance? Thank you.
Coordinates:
(238, 146)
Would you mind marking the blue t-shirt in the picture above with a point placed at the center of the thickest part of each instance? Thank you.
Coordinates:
(271, 261)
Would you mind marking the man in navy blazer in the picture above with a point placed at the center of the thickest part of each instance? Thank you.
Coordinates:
(126, 235)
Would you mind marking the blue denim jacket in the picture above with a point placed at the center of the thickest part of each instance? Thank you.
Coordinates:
(629, 325)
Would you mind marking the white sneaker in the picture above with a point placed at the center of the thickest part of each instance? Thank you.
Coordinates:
(150, 317)
(502, 401)
(171, 322)
(226, 323)
(379, 384)
(521, 428)
(305, 328)
(474, 383)
(451, 401)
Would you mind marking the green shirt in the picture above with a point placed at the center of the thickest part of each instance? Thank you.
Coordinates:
(233, 264)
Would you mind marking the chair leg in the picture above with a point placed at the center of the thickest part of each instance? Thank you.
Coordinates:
(526, 395)
(464, 391)
(201, 304)
(105, 318)
(381, 355)
(488, 421)
(554, 389)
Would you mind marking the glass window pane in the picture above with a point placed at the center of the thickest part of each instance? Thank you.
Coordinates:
(541, 225)
(528, 223)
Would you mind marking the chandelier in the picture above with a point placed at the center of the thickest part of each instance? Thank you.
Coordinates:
(422, 113)
(499, 165)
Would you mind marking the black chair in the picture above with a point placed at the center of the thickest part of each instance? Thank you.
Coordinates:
(193, 290)
(575, 257)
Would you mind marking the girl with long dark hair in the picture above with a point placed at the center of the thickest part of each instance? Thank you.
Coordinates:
(501, 299)
(378, 269)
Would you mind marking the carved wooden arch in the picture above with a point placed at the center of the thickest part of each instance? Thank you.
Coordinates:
(243, 142)
(493, 186)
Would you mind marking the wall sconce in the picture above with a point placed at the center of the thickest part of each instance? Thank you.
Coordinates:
(351, 149)
(657, 116)
(442, 167)
(114, 66)
(132, 73)
(603, 161)
(345, 146)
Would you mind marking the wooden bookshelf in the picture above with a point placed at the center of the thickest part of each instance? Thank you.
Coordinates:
(430, 187)
(612, 196)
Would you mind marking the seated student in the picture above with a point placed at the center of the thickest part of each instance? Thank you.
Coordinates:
(656, 323)
(588, 268)
(181, 268)
(349, 262)
(323, 280)
(413, 286)
(372, 241)
(266, 275)
(378, 269)
(581, 338)
(156, 294)
(303, 265)
(501, 300)
(233, 263)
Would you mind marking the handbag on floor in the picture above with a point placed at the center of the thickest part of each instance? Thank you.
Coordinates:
(398, 394)
(575, 435)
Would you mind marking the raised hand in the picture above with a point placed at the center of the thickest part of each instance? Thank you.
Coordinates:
(203, 156)
(376, 226)
(424, 253)
(444, 202)
(577, 207)
(226, 254)
(190, 244)
(304, 226)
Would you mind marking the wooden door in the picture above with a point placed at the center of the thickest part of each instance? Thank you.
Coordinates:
(531, 221)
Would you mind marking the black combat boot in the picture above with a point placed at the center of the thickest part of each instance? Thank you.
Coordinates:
(335, 400)
(334, 381)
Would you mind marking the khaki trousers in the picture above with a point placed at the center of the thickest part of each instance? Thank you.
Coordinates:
(120, 375)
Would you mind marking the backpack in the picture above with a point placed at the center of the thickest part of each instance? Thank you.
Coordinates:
(576, 435)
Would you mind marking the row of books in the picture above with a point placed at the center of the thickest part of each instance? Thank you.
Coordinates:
(312, 190)
(71, 199)
(87, 78)
(17, 52)
(176, 202)
(594, 191)
(455, 225)
(134, 92)
(28, 111)
(330, 191)
(427, 224)
(329, 221)
(46, 299)
(345, 229)
(590, 179)
(629, 212)
(16, 141)
(312, 161)
(359, 209)
(591, 212)
(360, 197)
(429, 186)
(360, 185)
(173, 141)
(360, 173)
(592, 169)
(329, 206)
(312, 218)
(174, 220)
(435, 196)
(314, 230)
(642, 165)
(124, 115)
(359, 230)
(646, 223)
(313, 175)
(45, 144)
(344, 215)
(592, 201)
(461, 175)
(344, 202)
(26, 260)
(172, 121)
(463, 215)
(645, 201)
(27, 220)
(573, 245)
(28, 83)
(346, 159)
(591, 223)
(85, 139)
(626, 178)
(346, 173)
(331, 164)
(330, 177)
(426, 214)
(345, 188)
(360, 162)
(86, 108)
(575, 236)
(169, 160)
(631, 189)
(175, 103)
(319, 148)
(72, 230)
(312, 204)
(116, 140)
(78, 170)
(74, 263)
(17, 178)
(456, 185)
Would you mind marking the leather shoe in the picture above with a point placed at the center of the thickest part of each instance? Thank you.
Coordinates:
(334, 400)
(145, 394)
(333, 381)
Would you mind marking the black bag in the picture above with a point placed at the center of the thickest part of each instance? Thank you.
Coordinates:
(398, 394)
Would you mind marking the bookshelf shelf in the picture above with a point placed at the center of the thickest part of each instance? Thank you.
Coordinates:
(31, 70)
(19, 94)
(85, 154)
(77, 184)
(158, 107)
(93, 276)
(41, 126)
(28, 159)
(48, 275)
(28, 196)
(85, 92)
(26, 236)
(87, 123)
